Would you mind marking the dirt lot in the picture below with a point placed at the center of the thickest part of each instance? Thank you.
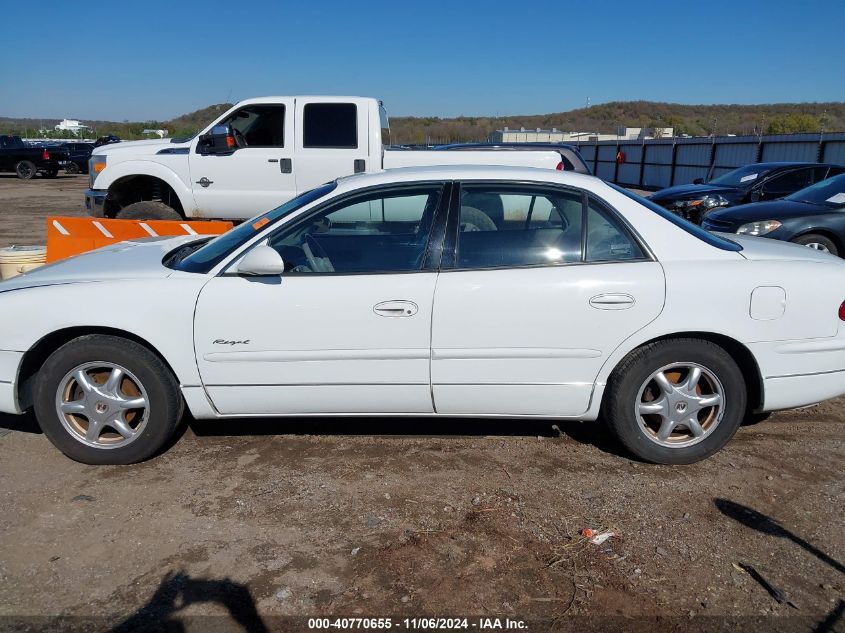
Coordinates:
(256, 521)
(25, 205)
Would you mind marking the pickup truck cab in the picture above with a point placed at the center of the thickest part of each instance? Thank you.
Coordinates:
(260, 154)
(27, 160)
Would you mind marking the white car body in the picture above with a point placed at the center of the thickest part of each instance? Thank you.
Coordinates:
(521, 341)
(248, 181)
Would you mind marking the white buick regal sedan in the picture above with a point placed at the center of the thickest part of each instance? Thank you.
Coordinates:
(460, 291)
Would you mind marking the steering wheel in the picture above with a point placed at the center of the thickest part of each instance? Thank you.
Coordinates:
(318, 259)
(240, 139)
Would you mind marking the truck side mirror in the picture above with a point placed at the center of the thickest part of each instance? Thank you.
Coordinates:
(698, 181)
(220, 140)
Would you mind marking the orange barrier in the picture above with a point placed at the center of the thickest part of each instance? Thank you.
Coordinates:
(68, 236)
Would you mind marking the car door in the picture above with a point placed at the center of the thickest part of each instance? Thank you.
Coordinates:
(255, 177)
(786, 183)
(333, 140)
(543, 285)
(346, 328)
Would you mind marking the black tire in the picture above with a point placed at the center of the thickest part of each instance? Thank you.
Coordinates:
(148, 210)
(26, 170)
(165, 400)
(473, 219)
(72, 169)
(819, 242)
(623, 392)
(50, 173)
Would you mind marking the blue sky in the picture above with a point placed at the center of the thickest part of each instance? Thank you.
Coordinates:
(155, 60)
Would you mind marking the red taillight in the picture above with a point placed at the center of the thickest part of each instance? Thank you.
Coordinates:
(559, 166)
(842, 311)
(45, 155)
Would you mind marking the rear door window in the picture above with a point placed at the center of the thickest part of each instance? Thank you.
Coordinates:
(330, 125)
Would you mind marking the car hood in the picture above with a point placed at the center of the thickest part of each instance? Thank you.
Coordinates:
(767, 249)
(133, 259)
(774, 210)
(148, 147)
(684, 192)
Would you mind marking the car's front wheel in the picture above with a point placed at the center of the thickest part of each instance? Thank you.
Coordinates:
(107, 400)
(817, 242)
(676, 401)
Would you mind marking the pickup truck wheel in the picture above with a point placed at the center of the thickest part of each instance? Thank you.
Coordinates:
(50, 173)
(675, 401)
(25, 169)
(148, 210)
(107, 400)
(72, 168)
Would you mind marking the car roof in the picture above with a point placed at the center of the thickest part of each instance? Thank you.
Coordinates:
(781, 164)
(470, 172)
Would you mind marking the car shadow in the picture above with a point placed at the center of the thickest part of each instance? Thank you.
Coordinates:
(178, 591)
(25, 423)
(592, 433)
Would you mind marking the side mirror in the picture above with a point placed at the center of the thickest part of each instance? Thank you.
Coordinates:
(757, 194)
(698, 181)
(262, 261)
(220, 140)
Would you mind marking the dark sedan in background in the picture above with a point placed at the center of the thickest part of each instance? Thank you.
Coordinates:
(752, 183)
(814, 217)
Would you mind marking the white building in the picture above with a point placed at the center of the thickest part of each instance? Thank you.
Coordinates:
(522, 135)
(71, 125)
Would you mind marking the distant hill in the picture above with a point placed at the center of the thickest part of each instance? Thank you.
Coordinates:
(777, 118)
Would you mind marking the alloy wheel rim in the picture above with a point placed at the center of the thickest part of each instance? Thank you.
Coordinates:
(102, 405)
(817, 246)
(680, 405)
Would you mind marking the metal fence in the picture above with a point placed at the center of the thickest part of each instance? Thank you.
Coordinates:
(658, 163)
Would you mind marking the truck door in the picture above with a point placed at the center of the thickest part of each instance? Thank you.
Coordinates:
(332, 140)
(258, 175)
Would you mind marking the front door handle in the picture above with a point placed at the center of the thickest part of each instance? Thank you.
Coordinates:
(612, 301)
(396, 308)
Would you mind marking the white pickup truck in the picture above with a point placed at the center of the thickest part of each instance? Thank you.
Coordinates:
(259, 154)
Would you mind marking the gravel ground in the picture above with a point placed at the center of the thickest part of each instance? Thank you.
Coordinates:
(25, 205)
(244, 523)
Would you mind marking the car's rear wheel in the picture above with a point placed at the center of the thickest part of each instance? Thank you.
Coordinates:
(25, 169)
(817, 242)
(676, 401)
(148, 210)
(107, 400)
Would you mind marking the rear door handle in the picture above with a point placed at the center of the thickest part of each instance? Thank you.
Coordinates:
(612, 301)
(396, 308)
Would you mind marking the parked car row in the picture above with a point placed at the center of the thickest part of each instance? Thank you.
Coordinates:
(795, 202)
(27, 160)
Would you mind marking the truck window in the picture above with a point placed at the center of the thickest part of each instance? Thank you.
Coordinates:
(333, 125)
(262, 125)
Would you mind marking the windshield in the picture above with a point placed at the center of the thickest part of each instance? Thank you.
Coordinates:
(742, 177)
(830, 192)
(689, 227)
(207, 257)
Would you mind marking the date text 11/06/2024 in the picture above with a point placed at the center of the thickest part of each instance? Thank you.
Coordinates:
(480, 624)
